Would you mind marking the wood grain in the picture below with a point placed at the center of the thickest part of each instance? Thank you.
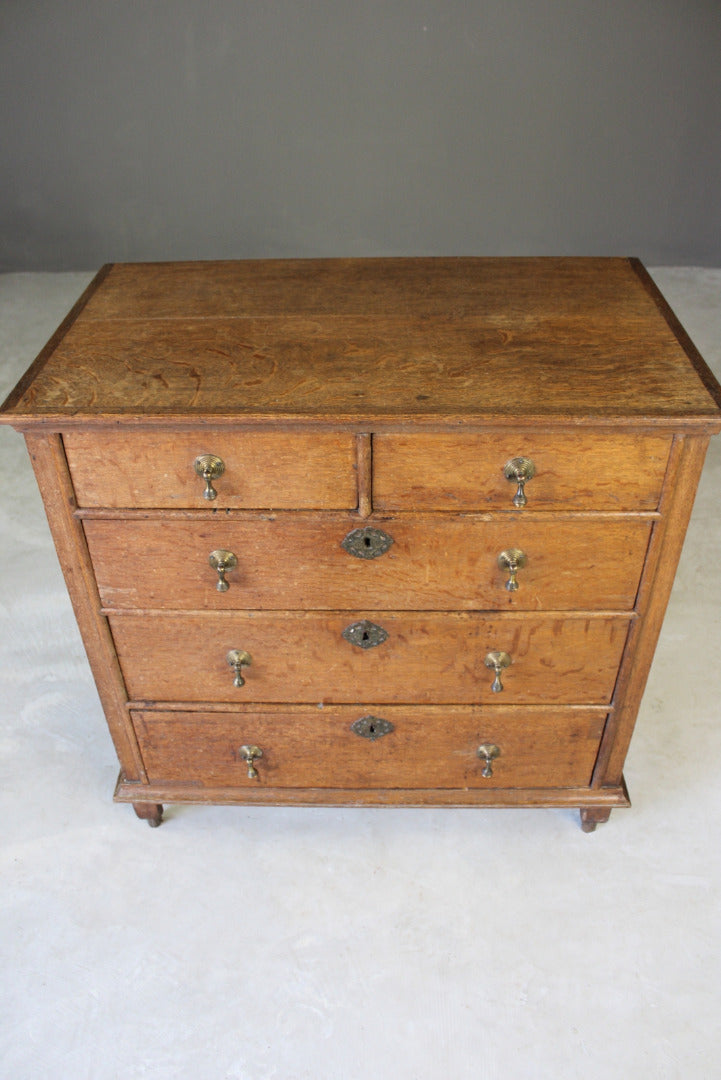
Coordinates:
(384, 392)
(426, 749)
(664, 551)
(273, 469)
(428, 657)
(465, 472)
(296, 561)
(51, 472)
(264, 795)
(359, 341)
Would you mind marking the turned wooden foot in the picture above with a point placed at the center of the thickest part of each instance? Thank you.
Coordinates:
(150, 812)
(591, 816)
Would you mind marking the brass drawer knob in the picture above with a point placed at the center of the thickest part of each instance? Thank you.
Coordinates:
(222, 561)
(512, 560)
(209, 468)
(250, 754)
(488, 752)
(498, 661)
(519, 470)
(237, 659)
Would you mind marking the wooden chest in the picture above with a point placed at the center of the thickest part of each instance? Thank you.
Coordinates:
(370, 531)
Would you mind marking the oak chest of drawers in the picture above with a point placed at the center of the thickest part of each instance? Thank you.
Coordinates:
(370, 531)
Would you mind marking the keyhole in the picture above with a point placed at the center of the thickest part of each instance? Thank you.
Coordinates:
(367, 541)
(372, 729)
(366, 636)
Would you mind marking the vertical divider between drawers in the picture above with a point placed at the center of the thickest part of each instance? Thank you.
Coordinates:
(364, 464)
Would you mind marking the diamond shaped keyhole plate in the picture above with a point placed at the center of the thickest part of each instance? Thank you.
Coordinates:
(372, 727)
(365, 634)
(367, 543)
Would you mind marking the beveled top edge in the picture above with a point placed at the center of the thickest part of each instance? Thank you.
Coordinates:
(697, 424)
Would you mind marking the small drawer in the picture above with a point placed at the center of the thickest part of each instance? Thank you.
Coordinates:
(261, 469)
(421, 657)
(398, 747)
(467, 472)
(298, 561)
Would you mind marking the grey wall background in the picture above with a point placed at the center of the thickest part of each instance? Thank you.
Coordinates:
(165, 129)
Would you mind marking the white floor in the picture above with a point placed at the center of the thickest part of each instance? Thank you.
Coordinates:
(349, 944)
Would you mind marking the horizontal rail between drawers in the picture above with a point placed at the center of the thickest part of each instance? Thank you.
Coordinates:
(203, 514)
(302, 707)
(293, 613)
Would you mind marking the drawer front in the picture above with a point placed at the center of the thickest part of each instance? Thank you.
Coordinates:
(298, 561)
(424, 748)
(466, 472)
(424, 657)
(266, 469)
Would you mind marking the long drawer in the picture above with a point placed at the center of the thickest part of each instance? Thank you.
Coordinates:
(298, 561)
(404, 657)
(263, 469)
(407, 748)
(467, 472)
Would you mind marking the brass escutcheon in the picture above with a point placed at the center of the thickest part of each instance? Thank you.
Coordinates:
(249, 754)
(237, 659)
(488, 752)
(519, 470)
(367, 543)
(512, 560)
(209, 468)
(222, 561)
(371, 727)
(365, 634)
(498, 661)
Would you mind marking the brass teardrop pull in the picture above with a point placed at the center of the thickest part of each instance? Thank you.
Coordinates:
(222, 561)
(237, 659)
(488, 752)
(498, 661)
(209, 468)
(512, 560)
(519, 470)
(249, 755)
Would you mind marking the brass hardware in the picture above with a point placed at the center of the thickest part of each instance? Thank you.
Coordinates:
(367, 543)
(237, 659)
(365, 634)
(222, 561)
(249, 754)
(209, 468)
(372, 727)
(512, 560)
(488, 752)
(519, 470)
(498, 661)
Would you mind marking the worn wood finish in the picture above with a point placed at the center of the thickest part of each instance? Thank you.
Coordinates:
(297, 561)
(364, 451)
(465, 472)
(385, 393)
(271, 469)
(150, 812)
(427, 748)
(264, 795)
(427, 657)
(493, 340)
(51, 473)
(678, 498)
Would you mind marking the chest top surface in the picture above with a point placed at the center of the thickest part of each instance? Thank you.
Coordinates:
(434, 341)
